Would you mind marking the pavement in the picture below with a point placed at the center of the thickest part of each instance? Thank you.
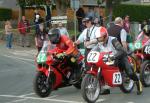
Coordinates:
(17, 71)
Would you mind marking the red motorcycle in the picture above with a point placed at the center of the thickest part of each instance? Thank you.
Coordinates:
(143, 62)
(54, 72)
(103, 72)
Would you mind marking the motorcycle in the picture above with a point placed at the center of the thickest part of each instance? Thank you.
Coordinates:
(54, 72)
(142, 61)
(103, 72)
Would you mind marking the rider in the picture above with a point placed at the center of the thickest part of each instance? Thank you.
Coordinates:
(107, 43)
(144, 36)
(70, 51)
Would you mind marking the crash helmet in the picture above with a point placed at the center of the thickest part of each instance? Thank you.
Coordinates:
(146, 30)
(101, 32)
(54, 36)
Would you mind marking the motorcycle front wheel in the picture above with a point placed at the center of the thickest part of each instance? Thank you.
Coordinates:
(41, 86)
(145, 73)
(127, 84)
(90, 88)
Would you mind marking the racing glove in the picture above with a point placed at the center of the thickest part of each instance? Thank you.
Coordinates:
(61, 55)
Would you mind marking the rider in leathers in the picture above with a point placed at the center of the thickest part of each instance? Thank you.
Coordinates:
(111, 44)
(144, 36)
(63, 42)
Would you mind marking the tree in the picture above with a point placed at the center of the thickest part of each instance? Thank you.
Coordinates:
(24, 3)
(110, 4)
(37, 3)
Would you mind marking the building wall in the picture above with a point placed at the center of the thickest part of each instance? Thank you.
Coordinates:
(11, 4)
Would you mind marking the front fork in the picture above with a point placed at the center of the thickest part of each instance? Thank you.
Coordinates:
(49, 70)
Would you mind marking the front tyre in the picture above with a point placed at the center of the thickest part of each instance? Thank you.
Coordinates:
(90, 88)
(127, 84)
(41, 87)
(145, 73)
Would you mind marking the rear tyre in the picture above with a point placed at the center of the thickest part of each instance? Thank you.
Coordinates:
(145, 73)
(41, 87)
(90, 88)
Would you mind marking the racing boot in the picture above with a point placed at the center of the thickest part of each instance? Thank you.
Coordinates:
(105, 92)
(139, 87)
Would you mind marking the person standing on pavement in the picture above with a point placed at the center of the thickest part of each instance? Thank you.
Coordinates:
(24, 29)
(96, 22)
(36, 20)
(80, 15)
(126, 26)
(62, 29)
(40, 36)
(8, 32)
(118, 31)
(126, 23)
(88, 35)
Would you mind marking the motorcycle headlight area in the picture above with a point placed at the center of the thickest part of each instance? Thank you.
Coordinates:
(43, 65)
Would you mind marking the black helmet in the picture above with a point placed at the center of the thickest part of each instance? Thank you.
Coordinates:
(146, 30)
(54, 36)
(88, 18)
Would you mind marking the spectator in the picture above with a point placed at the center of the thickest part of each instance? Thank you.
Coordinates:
(88, 36)
(90, 13)
(119, 32)
(101, 20)
(40, 36)
(36, 20)
(148, 21)
(62, 29)
(8, 32)
(143, 24)
(83, 26)
(126, 24)
(96, 22)
(24, 29)
(80, 15)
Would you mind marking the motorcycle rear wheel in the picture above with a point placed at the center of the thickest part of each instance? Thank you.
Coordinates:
(90, 88)
(127, 84)
(41, 87)
(145, 73)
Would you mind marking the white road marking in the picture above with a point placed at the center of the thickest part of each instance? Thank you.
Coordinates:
(130, 102)
(20, 60)
(20, 100)
(32, 52)
(100, 100)
(44, 99)
(30, 60)
(26, 94)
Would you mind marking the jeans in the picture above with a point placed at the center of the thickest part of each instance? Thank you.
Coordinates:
(9, 41)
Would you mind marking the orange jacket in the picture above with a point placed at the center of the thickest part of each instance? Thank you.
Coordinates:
(66, 44)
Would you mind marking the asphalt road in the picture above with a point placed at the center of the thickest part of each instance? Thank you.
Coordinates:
(17, 72)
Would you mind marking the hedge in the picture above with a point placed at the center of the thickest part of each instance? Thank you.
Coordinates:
(136, 12)
(5, 14)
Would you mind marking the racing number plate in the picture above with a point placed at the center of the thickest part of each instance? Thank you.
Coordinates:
(93, 57)
(147, 49)
(41, 57)
(117, 79)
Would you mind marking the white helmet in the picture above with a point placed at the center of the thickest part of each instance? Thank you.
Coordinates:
(100, 32)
